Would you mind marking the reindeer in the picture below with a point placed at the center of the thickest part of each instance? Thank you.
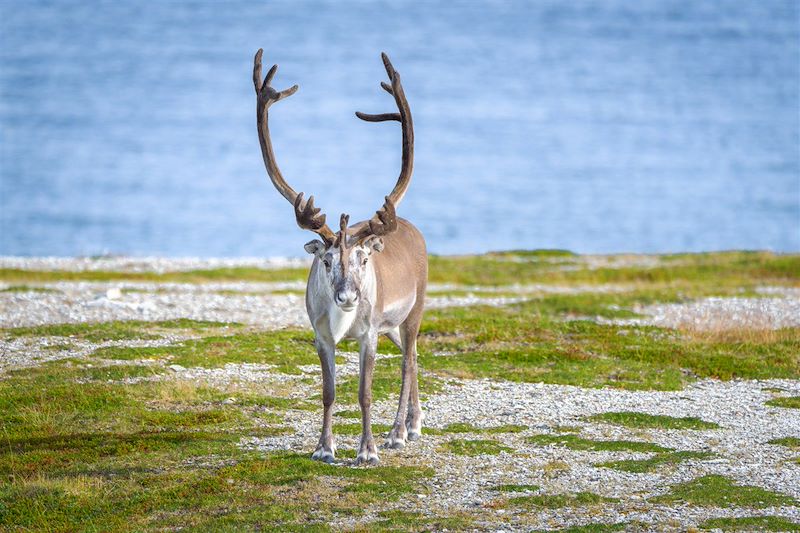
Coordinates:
(366, 279)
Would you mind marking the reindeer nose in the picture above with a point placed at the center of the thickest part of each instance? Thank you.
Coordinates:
(346, 298)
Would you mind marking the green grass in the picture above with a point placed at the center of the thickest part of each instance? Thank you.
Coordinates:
(639, 466)
(284, 348)
(632, 419)
(355, 429)
(193, 276)
(463, 427)
(719, 491)
(558, 501)
(475, 447)
(789, 442)
(409, 521)
(751, 523)
(28, 288)
(116, 330)
(726, 269)
(386, 381)
(594, 528)
(530, 342)
(789, 402)
(574, 442)
(107, 456)
(515, 488)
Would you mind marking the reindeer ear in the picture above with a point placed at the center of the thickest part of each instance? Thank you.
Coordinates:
(315, 247)
(374, 244)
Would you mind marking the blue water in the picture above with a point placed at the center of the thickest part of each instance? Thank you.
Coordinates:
(597, 126)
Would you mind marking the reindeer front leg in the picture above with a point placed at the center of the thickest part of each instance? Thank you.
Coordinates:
(326, 449)
(367, 452)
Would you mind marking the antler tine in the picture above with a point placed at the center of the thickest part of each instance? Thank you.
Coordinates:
(385, 219)
(383, 223)
(307, 216)
(404, 117)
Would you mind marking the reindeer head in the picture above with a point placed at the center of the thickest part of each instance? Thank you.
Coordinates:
(345, 263)
(345, 255)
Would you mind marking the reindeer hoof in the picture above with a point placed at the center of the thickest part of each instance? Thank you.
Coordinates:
(323, 455)
(394, 444)
(413, 435)
(364, 459)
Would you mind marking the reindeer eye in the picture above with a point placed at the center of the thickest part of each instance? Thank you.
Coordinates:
(326, 263)
(364, 261)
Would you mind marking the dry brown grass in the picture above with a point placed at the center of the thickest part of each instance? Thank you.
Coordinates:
(722, 334)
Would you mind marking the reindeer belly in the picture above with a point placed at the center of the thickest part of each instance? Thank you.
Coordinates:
(395, 313)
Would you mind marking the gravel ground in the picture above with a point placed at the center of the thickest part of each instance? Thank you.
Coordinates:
(145, 264)
(740, 445)
(716, 314)
(244, 302)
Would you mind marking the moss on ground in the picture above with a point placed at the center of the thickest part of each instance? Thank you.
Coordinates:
(355, 429)
(475, 447)
(192, 276)
(515, 488)
(463, 427)
(162, 455)
(725, 269)
(719, 491)
(788, 402)
(116, 330)
(286, 349)
(789, 442)
(558, 501)
(28, 288)
(574, 442)
(386, 380)
(532, 342)
(752, 523)
(632, 419)
(595, 528)
(397, 520)
(639, 466)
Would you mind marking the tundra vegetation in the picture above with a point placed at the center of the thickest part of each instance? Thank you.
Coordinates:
(133, 425)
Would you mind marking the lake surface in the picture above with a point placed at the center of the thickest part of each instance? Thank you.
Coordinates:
(604, 126)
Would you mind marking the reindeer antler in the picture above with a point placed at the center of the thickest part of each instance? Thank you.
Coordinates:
(308, 217)
(385, 219)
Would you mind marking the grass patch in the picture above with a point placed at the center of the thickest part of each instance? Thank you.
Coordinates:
(191, 276)
(597, 527)
(28, 288)
(355, 429)
(789, 402)
(531, 342)
(386, 380)
(632, 419)
(639, 466)
(397, 520)
(515, 488)
(751, 523)
(286, 349)
(165, 456)
(726, 269)
(119, 372)
(475, 447)
(789, 442)
(558, 501)
(574, 442)
(115, 330)
(463, 427)
(348, 413)
(719, 491)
